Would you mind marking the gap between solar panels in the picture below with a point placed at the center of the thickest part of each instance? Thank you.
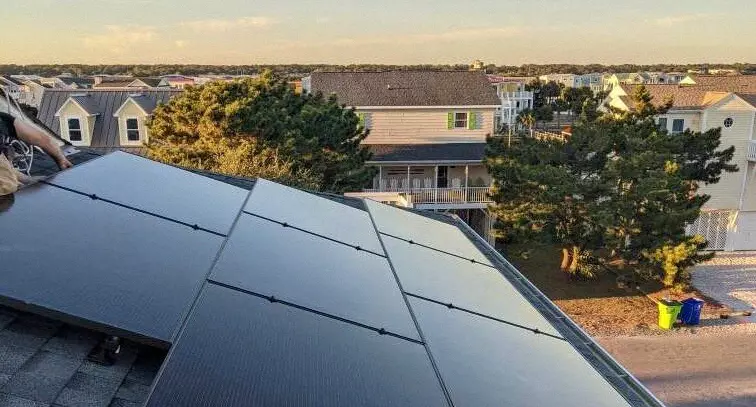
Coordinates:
(288, 225)
(95, 197)
(414, 243)
(275, 300)
(512, 324)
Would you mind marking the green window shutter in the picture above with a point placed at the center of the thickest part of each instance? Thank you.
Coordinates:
(471, 121)
(361, 116)
(450, 120)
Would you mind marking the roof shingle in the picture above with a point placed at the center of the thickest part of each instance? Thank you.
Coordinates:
(407, 88)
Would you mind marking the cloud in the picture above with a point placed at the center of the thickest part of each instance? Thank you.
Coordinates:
(455, 35)
(180, 43)
(120, 38)
(680, 19)
(218, 25)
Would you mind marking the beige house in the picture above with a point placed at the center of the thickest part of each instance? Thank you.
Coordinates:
(105, 119)
(428, 134)
(729, 217)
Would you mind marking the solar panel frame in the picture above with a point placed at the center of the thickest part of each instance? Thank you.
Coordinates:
(241, 350)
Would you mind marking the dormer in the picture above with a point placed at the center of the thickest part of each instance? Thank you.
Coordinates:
(132, 119)
(77, 118)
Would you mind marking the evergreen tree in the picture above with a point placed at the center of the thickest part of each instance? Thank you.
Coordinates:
(618, 187)
(261, 128)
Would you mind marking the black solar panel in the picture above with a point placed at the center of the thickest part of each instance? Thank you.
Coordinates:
(334, 220)
(241, 350)
(269, 259)
(100, 262)
(485, 363)
(157, 188)
(473, 286)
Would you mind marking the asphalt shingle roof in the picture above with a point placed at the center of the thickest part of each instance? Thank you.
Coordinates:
(735, 83)
(106, 103)
(43, 363)
(683, 97)
(428, 152)
(407, 88)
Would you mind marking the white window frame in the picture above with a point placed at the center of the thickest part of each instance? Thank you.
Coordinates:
(138, 130)
(673, 125)
(82, 135)
(456, 120)
(659, 123)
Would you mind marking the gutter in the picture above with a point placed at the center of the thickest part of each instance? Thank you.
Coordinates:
(636, 394)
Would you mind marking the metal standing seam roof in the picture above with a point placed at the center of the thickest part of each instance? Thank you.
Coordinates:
(105, 102)
(407, 88)
(268, 329)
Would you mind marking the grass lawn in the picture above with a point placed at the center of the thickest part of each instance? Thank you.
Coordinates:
(599, 305)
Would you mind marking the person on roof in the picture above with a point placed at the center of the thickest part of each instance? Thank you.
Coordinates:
(13, 129)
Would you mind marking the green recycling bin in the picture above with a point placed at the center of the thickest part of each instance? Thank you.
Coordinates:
(668, 311)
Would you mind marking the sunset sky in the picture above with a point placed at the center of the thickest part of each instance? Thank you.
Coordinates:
(392, 32)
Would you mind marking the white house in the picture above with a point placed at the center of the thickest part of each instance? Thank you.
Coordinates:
(428, 134)
(729, 217)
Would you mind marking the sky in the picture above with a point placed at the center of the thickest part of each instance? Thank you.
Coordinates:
(502, 32)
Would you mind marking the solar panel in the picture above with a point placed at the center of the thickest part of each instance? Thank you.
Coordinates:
(422, 230)
(100, 262)
(157, 188)
(485, 363)
(313, 272)
(323, 216)
(449, 279)
(241, 350)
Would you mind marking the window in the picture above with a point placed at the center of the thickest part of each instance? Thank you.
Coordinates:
(678, 125)
(460, 120)
(662, 125)
(74, 129)
(132, 129)
(728, 122)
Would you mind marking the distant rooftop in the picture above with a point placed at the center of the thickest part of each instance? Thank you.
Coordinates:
(407, 88)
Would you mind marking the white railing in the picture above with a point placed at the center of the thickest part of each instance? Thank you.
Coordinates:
(516, 95)
(459, 195)
(751, 154)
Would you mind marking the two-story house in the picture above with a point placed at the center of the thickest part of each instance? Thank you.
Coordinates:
(514, 97)
(428, 134)
(102, 119)
(729, 218)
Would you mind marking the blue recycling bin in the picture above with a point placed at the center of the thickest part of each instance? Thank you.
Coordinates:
(691, 311)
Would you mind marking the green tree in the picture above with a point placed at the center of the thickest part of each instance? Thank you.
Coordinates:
(527, 119)
(261, 128)
(619, 187)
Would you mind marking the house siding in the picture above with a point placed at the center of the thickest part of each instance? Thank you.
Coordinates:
(87, 123)
(131, 110)
(423, 126)
(726, 193)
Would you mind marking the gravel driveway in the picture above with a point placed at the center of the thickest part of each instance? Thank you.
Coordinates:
(729, 278)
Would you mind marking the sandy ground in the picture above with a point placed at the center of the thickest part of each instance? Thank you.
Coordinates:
(692, 370)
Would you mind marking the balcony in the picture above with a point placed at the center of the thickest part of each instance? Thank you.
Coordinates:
(751, 152)
(431, 198)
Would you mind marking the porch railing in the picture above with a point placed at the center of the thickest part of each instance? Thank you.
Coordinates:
(751, 153)
(459, 195)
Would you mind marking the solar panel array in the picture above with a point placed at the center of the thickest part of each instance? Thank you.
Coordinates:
(282, 297)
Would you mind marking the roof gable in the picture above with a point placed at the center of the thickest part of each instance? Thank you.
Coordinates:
(407, 88)
(107, 101)
(84, 102)
(144, 103)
